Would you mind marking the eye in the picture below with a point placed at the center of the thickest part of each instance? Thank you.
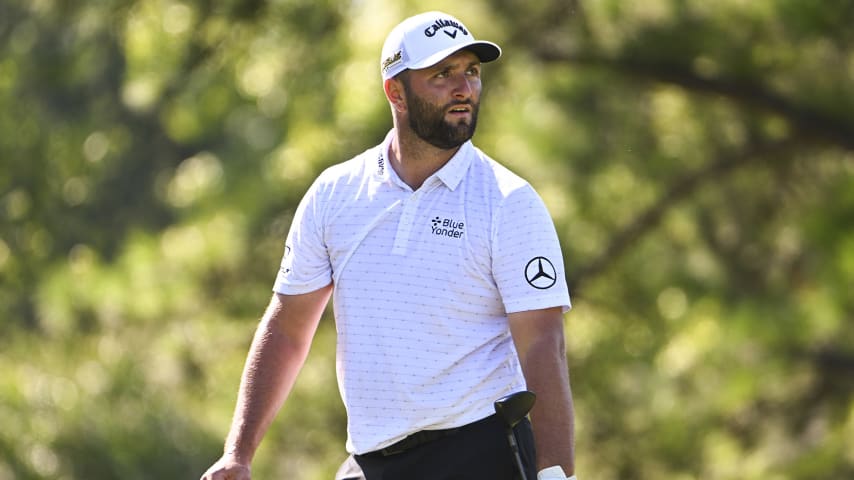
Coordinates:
(473, 71)
(443, 73)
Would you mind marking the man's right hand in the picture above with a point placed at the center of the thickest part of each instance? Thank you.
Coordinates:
(227, 468)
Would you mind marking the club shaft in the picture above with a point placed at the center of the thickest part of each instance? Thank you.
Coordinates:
(515, 448)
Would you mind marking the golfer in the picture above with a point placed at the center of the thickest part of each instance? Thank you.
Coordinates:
(448, 288)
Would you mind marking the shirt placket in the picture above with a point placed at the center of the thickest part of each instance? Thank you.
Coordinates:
(408, 216)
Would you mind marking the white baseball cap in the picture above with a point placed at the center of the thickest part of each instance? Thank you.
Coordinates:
(426, 39)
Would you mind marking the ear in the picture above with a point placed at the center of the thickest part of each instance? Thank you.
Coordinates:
(395, 94)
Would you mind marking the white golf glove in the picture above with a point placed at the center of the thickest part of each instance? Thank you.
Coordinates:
(553, 473)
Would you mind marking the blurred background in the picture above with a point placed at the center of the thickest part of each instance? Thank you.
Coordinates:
(697, 157)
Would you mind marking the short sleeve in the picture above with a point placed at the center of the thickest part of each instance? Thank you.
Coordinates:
(527, 261)
(305, 265)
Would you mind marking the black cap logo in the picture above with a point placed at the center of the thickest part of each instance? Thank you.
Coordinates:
(447, 26)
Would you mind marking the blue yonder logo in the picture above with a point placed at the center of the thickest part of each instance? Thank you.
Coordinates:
(446, 227)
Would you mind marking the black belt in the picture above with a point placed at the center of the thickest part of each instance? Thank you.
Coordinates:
(420, 438)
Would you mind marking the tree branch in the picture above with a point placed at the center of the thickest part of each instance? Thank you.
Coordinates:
(680, 189)
(806, 120)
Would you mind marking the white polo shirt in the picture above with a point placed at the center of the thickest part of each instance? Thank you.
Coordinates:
(423, 283)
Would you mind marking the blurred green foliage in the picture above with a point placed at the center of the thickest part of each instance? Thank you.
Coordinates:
(698, 158)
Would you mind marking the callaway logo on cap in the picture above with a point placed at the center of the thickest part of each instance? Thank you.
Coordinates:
(426, 39)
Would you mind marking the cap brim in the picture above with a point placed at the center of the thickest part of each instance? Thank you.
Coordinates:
(485, 51)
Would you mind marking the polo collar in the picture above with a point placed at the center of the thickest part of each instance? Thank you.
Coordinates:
(451, 174)
(382, 168)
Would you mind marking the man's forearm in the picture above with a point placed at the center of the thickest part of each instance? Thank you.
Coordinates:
(552, 417)
(278, 351)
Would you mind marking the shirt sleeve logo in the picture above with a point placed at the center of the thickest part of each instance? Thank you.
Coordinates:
(540, 273)
(285, 267)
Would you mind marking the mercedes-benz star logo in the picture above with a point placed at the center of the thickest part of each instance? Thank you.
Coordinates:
(540, 273)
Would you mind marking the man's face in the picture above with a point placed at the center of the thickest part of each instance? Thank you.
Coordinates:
(443, 100)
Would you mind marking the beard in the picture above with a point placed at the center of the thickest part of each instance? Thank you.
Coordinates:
(428, 122)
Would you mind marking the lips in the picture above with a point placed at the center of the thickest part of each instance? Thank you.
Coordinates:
(460, 110)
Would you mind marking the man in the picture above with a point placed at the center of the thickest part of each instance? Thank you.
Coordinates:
(448, 287)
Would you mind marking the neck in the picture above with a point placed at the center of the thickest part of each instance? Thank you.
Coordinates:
(415, 160)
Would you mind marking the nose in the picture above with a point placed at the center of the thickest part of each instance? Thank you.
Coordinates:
(464, 87)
